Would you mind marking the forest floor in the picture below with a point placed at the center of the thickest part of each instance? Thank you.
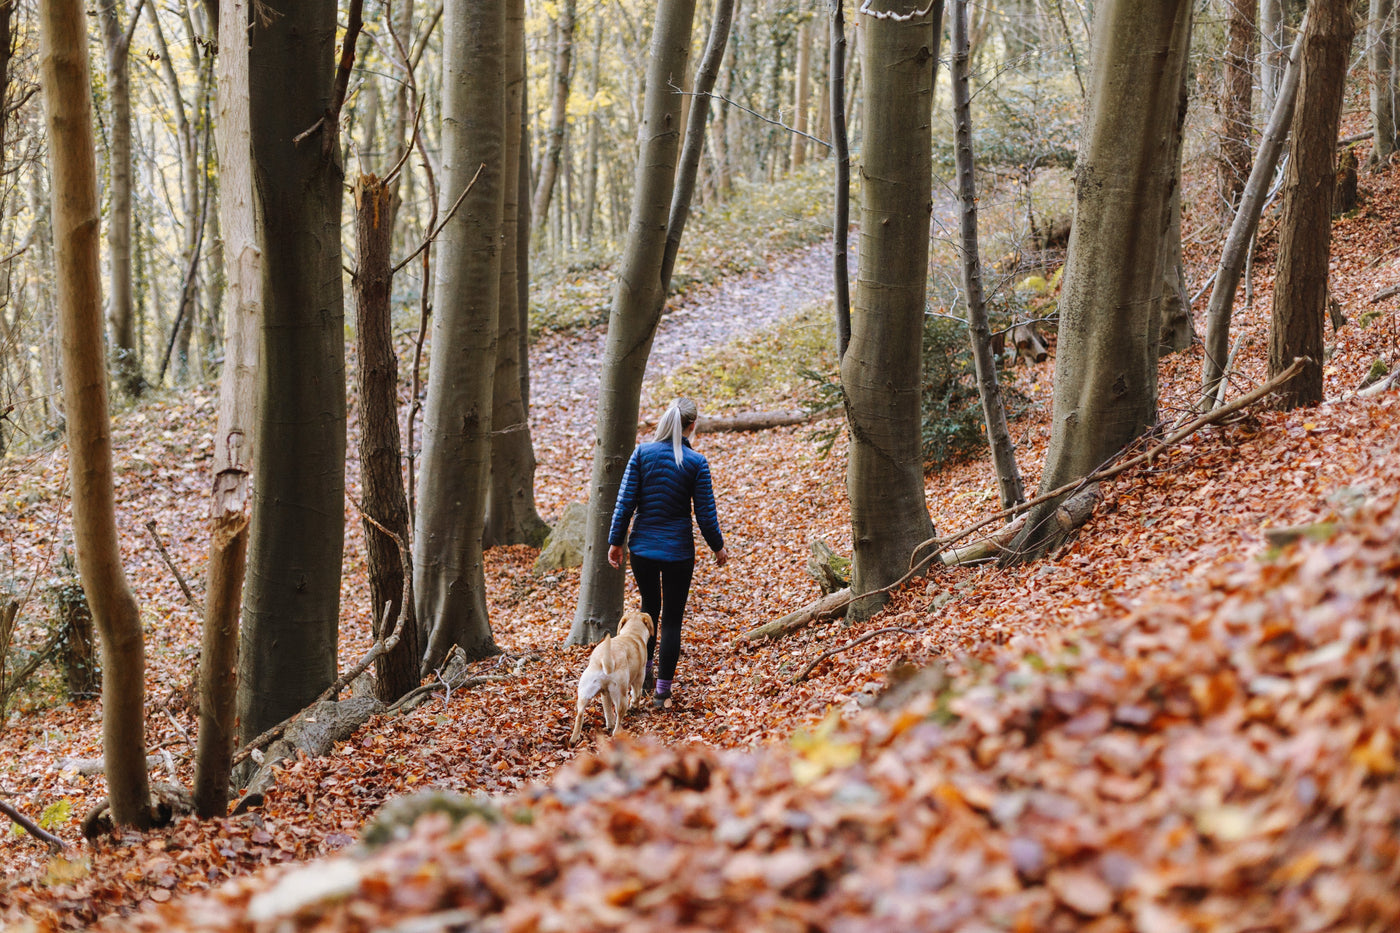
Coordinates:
(1166, 726)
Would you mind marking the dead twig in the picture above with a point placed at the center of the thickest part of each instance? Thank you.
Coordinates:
(433, 233)
(165, 555)
(54, 843)
(832, 652)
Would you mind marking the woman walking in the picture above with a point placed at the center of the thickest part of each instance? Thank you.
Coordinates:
(662, 479)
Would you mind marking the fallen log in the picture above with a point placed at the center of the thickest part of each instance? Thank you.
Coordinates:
(1077, 508)
(1030, 346)
(1383, 294)
(757, 421)
(830, 606)
(990, 546)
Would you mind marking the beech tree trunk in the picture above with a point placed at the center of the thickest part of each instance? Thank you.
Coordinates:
(1273, 53)
(988, 385)
(511, 516)
(449, 576)
(287, 653)
(841, 205)
(1380, 39)
(1232, 257)
(231, 491)
(802, 94)
(1106, 362)
(67, 84)
(381, 453)
(636, 310)
(881, 371)
(554, 137)
(1300, 289)
(1176, 328)
(1237, 114)
(116, 45)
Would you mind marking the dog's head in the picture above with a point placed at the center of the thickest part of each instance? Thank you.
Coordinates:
(636, 615)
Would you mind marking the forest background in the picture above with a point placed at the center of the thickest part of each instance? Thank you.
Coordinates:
(1029, 664)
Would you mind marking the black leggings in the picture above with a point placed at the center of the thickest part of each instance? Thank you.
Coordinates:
(664, 586)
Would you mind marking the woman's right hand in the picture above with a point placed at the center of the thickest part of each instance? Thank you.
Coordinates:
(615, 555)
(721, 557)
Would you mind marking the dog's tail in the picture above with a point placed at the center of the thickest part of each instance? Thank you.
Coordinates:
(593, 679)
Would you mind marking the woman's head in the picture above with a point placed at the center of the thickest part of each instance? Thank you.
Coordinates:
(676, 422)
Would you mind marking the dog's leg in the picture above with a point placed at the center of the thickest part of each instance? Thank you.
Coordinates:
(578, 720)
(617, 695)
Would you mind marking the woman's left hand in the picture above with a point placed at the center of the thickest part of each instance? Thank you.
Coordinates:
(721, 557)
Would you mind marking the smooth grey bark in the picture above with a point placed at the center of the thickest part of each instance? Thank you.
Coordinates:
(1176, 329)
(449, 573)
(841, 205)
(1237, 116)
(121, 321)
(511, 516)
(636, 309)
(1380, 42)
(67, 82)
(1232, 257)
(291, 610)
(882, 369)
(1106, 361)
(999, 440)
(1300, 289)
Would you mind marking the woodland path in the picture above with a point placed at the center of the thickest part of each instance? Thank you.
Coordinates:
(565, 368)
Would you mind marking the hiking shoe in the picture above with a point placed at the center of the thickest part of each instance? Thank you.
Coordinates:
(661, 701)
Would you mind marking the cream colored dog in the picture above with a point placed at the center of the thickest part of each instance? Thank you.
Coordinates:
(616, 669)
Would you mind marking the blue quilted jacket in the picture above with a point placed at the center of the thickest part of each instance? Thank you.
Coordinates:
(660, 493)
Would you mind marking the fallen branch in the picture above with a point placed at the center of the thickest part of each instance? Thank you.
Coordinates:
(54, 843)
(160, 546)
(382, 645)
(1108, 472)
(828, 607)
(759, 421)
(987, 547)
(1385, 293)
(1077, 509)
(833, 652)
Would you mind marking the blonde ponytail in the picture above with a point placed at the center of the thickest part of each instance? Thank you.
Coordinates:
(681, 414)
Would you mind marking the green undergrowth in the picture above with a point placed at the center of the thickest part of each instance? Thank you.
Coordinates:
(762, 369)
(755, 223)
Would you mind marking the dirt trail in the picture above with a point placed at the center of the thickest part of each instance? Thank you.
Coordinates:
(565, 368)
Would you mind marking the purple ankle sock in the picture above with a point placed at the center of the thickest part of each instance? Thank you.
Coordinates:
(663, 687)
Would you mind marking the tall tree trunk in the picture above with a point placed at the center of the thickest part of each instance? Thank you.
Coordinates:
(116, 45)
(635, 312)
(511, 516)
(67, 84)
(449, 576)
(381, 454)
(841, 205)
(881, 371)
(1106, 363)
(554, 137)
(590, 158)
(1176, 329)
(1232, 257)
(233, 447)
(287, 653)
(1300, 289)
(1380, 40)
(802, 94)
(1273, 53)
(988, 385)
(1237, 116)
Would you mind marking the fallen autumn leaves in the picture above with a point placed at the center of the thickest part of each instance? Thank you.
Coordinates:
(1223, 760)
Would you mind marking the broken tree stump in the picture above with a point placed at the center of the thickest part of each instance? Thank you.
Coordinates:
(831, 571)
(1030, 346)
